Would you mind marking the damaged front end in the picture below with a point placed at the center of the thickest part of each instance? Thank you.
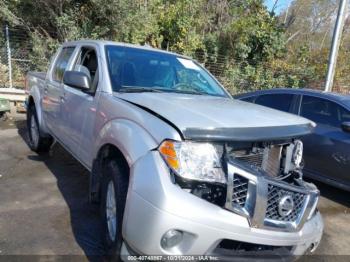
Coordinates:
(261, 181)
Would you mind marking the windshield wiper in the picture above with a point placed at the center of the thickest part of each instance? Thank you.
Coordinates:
(190, 92)
(138, 89)
(141, 89)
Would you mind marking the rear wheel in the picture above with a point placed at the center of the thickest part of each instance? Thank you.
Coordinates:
(113, 197)
(37, 142)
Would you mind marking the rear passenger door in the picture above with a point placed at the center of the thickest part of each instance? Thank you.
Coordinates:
(53, 91)
(327, 149)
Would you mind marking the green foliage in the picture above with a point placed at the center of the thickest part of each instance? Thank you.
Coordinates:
(178, 23)
(253, 34)
(42, 50)
(239, 41)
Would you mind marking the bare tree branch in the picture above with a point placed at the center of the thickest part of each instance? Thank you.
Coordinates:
(293, 35)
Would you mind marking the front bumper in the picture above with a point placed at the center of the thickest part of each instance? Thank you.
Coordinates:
(156, 205)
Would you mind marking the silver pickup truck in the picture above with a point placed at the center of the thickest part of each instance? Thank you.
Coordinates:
(178, 166)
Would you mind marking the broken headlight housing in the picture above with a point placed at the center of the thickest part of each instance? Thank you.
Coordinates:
(193, 160)
(297, 156)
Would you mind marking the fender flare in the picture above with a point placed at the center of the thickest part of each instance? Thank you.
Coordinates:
(129, 138)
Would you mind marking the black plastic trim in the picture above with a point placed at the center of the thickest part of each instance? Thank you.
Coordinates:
(251, 134)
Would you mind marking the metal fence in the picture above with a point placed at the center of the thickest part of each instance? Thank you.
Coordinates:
(15, 47)
(16, 52)
(4, 74)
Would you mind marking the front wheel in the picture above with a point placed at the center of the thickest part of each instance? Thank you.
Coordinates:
(113, 198)
(37, 142)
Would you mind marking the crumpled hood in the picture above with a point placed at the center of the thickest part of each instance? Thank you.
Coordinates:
(203, 117)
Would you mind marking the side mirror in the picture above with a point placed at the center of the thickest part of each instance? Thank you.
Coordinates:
(77, 80)
(346, 127)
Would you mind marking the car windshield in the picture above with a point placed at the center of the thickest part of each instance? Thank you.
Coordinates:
(139, 70)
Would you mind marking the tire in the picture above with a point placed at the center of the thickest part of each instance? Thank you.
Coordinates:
(36, 141)
(114, 189)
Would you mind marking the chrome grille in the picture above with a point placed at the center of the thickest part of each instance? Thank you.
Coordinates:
(268, 202)
(240, 190)
(274, 195)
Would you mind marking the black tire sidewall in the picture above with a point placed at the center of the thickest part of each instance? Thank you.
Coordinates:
(117, 174)
(31, 112)
(44, 143)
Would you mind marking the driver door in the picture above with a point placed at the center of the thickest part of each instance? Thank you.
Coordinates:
(79, 108)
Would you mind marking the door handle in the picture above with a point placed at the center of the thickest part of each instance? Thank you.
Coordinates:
(63, 98)
(45, 90)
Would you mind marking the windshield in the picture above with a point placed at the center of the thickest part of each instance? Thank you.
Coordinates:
(138, 70)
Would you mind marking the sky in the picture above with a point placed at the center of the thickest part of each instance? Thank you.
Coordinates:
(281, 5)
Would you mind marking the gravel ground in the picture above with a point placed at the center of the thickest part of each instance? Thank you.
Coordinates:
(44, 208)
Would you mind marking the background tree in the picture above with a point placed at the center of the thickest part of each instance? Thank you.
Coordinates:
(241, 42)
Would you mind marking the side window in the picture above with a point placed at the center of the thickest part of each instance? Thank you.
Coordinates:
(344, 114)
(321, 111)
(249, 99)
(61, 63)
(281, 102)
(88, 64)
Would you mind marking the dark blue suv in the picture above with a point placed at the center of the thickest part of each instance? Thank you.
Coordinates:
(327, 150)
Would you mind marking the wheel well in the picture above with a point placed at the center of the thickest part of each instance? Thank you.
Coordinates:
(105, 153)
(109, 151)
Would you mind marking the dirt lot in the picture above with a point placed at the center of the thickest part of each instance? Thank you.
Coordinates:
(44, 208)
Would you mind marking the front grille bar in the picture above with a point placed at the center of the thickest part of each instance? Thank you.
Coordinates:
(259, 194)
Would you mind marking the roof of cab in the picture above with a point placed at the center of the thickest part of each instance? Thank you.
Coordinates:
(105, 42)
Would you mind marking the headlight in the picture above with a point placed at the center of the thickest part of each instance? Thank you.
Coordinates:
(191, 160)
(297, 156)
